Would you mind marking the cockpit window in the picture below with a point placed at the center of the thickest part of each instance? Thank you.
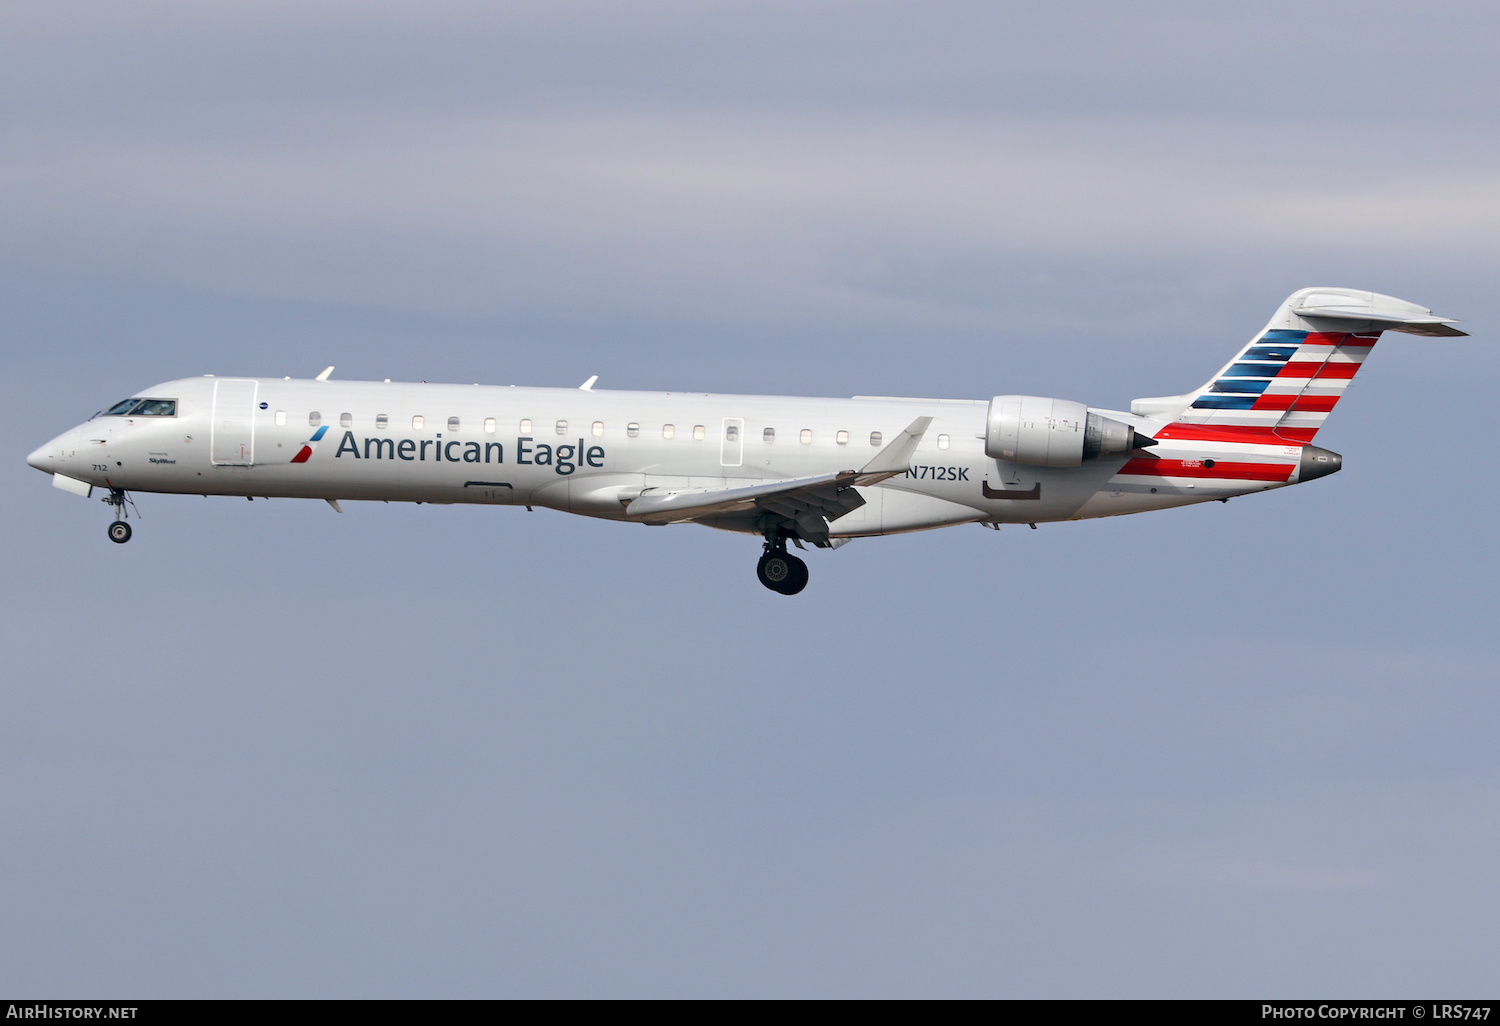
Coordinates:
(143, 408)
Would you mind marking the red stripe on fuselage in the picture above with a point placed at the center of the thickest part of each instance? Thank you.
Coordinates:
(1221, 470)
(1243, 434)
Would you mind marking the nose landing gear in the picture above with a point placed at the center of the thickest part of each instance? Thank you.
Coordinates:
(782, 573)
(119, 531)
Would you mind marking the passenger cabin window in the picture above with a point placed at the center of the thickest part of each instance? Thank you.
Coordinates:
(452, 423)
(598, 428)
(280, 418)
(731, 433)
(381, 421)
(143, 408)
(562, 427)
(698, 432)
(314, 419)
(418, 422)
(874, 437)
(769, 434)
(632, 429)
(842, 438)
(346, 420)
(489, 425)
(942, 441)
(805, 437)
(668, 431)
(525, 425)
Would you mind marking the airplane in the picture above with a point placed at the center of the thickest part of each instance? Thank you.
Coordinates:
(783, 468)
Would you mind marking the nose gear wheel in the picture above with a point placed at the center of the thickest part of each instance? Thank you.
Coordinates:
(119, 531)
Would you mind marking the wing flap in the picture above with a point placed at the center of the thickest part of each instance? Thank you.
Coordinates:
(661, 506)
(809, 502)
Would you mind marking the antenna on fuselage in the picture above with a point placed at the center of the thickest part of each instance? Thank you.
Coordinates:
(324, 376)
(588, 386)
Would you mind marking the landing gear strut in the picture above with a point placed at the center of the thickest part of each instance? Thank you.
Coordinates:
(119, 531)
(779, 571)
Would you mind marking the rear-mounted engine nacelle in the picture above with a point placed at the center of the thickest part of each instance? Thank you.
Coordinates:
(1045, 432)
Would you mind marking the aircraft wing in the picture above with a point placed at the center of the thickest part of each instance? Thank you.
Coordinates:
(811, 502)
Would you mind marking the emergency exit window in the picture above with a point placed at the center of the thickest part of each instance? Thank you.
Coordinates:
(875, 437)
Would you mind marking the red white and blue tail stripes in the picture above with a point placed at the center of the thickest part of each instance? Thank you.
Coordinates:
(1280, 388)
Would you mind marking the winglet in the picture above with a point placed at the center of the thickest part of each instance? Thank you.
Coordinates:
(896, 457)
(588, 386)
(324, 376)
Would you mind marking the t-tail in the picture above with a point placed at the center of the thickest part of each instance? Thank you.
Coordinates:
(1283, 385)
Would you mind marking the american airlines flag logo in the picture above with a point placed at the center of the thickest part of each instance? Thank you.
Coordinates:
(304, 453)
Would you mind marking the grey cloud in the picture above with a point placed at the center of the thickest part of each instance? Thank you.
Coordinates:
(268, 750)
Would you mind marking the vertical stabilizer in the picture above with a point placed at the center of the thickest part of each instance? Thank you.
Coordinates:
(1283, 384)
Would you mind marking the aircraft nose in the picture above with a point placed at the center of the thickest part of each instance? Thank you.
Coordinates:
(43, 459)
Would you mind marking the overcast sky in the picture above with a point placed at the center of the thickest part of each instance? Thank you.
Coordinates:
(417, 751)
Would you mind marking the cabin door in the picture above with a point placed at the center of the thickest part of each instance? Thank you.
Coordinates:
(232, 442)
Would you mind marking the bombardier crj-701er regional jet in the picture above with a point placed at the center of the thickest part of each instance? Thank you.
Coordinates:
(784, 468)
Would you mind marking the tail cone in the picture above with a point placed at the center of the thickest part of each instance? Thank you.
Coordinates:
(1318, 463)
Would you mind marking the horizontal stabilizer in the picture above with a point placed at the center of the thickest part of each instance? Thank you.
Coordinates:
(1346, 308)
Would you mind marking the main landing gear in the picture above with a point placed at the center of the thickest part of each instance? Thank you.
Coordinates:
(119, 531)
(779, 571)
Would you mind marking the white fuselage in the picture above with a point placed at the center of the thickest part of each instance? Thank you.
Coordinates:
(592, 451)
